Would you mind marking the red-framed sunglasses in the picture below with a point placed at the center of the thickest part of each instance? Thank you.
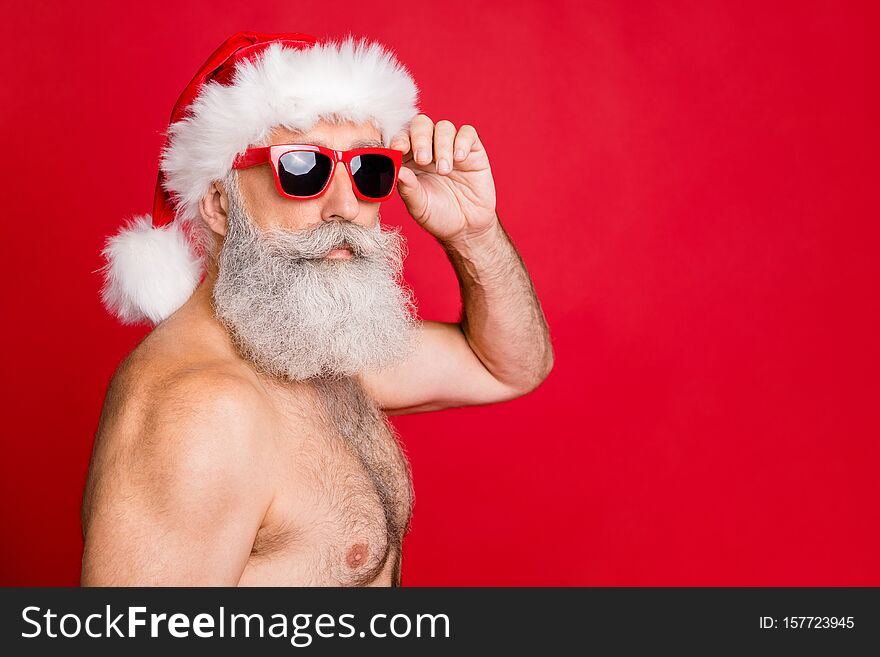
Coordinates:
(304, 171)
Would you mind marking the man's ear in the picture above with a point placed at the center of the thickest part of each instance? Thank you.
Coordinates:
(213, 208)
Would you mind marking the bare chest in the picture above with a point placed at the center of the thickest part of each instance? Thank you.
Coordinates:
(343, 497)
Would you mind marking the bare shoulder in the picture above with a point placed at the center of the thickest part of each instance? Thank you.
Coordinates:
(165, 418)
(180, 479)
(174, 399)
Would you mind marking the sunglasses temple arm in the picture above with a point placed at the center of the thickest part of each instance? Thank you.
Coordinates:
(251, 157)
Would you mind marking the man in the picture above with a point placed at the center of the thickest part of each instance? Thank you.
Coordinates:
(245, 440)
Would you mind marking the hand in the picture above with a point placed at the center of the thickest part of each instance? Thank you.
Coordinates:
(454, 203)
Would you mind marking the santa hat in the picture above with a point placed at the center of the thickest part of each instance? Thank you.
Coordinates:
(252, 83)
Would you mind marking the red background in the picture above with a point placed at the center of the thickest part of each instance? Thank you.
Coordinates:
(693, 187)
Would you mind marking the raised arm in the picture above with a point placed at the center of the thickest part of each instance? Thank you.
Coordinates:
(498, 351)
(179, 501)
(501, 347)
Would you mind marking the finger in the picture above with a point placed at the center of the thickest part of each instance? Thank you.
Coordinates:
(400, 142)
(466, 141)
(444, 135)
(421, 134)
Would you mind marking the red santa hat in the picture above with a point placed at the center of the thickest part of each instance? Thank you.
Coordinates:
(252, 83)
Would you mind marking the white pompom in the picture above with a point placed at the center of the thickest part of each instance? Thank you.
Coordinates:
(150, 272)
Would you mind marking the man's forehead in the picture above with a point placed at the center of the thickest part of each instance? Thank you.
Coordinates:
(341, 137)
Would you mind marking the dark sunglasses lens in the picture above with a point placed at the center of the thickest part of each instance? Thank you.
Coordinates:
(303, 173)
(373, 174)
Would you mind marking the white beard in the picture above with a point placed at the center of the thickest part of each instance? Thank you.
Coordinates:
(298, 316)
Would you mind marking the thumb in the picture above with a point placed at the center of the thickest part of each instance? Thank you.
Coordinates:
(407, 182)
(411, 192)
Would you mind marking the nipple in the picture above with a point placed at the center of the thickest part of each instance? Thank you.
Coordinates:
(357, 555)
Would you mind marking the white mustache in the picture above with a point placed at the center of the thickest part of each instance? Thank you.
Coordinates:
(316, 242)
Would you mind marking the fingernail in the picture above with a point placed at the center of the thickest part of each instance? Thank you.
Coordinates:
(443, 165)
(422, 155)
(459, 154)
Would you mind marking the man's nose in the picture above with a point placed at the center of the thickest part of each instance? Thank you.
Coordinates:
(340, 202)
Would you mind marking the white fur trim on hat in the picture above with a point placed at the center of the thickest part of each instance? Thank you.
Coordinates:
(285, 86)
(150, 272)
